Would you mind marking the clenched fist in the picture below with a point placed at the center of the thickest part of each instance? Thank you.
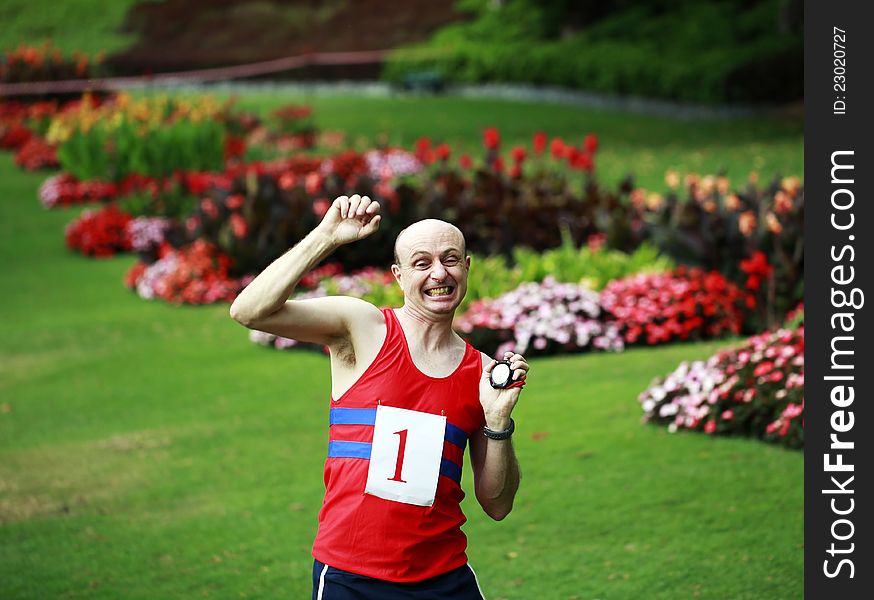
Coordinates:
(351, 218)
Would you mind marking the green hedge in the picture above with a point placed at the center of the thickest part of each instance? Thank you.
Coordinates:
(715, 52)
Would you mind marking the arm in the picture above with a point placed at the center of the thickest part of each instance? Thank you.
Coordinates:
(264, 304)
(495, 468)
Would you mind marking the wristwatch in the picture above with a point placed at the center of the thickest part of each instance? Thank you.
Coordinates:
(500, 435)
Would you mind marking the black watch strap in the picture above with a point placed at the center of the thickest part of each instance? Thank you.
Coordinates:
(500, 435)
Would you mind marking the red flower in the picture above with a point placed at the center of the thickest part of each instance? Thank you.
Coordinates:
(234, 147)
(515, 171)
(710, 426)
(209, 208)
(197, 183)
(287, 181)
(539, 143)
(584, 161)
(590, 143)
(518, 153)
(556, 148)
(423, 150)
(239, 226)
(757, 265)
(321, 206)
(491, 138)
(234, 201)
(442, 151)
(763, 368)
(498, 165)
(313, 183)
(465, 162)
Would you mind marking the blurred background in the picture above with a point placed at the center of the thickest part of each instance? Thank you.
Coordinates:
(628, 178)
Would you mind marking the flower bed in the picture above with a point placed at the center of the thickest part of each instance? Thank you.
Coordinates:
(194, 274)
(684, 304)
(36, 154)
(45, 63)
(100, 233)
(704, 221)
(539, 318)
(755, 390)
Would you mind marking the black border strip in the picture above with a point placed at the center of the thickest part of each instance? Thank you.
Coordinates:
(839, 133)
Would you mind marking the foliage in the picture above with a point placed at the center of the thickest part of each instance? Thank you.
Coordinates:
(151, 137)
(684, 304)
(755, 390)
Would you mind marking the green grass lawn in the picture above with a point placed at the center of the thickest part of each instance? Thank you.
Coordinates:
(150, 451)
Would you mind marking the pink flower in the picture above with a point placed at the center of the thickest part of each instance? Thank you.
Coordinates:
(710, 426)
(727, 415)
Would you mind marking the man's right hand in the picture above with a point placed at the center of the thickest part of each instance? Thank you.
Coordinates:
(350, 218)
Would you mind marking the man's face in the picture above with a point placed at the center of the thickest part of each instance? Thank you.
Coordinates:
(433, 268)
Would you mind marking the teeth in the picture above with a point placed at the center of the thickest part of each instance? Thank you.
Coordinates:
(438, 291)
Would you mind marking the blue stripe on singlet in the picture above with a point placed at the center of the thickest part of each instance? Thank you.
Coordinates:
(353, 416)
(456, 435)
(450, 470)
(349, 450)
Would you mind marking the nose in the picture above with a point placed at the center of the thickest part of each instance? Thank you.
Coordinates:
(438, 272)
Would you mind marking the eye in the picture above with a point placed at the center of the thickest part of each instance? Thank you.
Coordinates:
(451, 260)
(421, 264)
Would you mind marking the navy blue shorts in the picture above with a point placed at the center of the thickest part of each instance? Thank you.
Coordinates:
(333, 584)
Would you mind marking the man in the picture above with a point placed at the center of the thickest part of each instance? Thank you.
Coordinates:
(407, 395)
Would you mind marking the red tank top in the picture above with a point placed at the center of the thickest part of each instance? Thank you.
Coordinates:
(385, 539)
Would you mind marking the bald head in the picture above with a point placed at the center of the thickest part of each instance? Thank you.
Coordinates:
(427, 229)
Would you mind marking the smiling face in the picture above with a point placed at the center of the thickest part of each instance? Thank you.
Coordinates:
(431, 267)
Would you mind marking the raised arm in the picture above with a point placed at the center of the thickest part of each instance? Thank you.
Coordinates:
(264, 304)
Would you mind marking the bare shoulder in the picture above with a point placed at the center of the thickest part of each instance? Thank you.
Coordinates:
(486, 359)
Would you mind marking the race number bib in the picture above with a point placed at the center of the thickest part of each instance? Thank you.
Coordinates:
(406, 454)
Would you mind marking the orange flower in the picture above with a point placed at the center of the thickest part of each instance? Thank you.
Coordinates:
(722, 184)
(732, 202)
(782, 202)
(791, 185)
(672, 179)
(774, 225)
(691, 179)
(654, 201)
(747, 223)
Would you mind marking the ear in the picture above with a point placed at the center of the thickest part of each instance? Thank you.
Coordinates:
(396, 272)
(467, 261)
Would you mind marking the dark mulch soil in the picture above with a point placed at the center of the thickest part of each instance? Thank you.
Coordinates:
(185, 34)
